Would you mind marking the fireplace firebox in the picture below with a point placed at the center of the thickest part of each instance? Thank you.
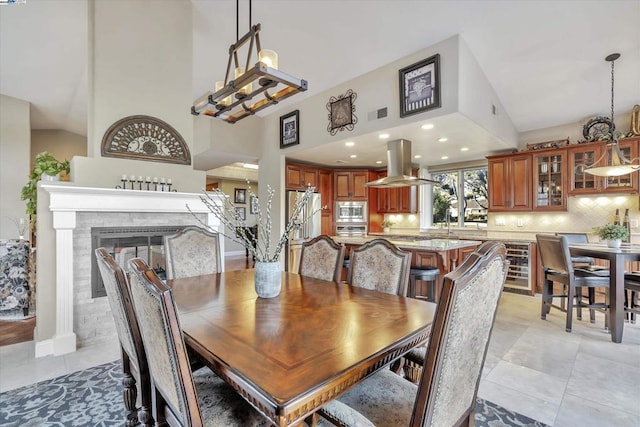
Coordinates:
(124, 243)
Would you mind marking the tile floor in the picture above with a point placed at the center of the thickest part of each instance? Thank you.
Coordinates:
(533, 367)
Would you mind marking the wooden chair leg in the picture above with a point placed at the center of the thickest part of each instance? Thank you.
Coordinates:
(129, 392)
(592, 301)
(578, 292)
(634, 305)
(547, 289)
(570, 297)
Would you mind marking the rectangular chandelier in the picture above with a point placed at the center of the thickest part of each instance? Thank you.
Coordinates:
(248, 92)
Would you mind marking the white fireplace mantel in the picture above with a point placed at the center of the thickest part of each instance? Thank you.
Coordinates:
(66, 201)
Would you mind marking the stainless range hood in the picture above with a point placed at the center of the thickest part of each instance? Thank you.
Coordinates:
(399, 167)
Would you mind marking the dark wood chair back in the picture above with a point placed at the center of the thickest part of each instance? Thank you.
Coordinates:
(578, 238)
(175, 400)
(321, 258)
(193, 251)
(380, 265)
(134, 358)
(460, 339)
(554, 253)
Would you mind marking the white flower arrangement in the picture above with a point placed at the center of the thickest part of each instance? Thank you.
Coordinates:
(259, 246)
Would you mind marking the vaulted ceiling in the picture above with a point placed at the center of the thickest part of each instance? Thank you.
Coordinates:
(544, 59)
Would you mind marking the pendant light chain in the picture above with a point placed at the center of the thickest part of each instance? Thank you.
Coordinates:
(612, 82)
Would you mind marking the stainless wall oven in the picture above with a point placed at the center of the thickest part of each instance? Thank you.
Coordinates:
(351, 212)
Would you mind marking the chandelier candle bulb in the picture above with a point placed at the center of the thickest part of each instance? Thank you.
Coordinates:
(226, 100)
(269, 58)
(245, 90)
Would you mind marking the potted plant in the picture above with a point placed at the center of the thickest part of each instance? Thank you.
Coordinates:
(386, 224)
(45, 165)
(613, 234)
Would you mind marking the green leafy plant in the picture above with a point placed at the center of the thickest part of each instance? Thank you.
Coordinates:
(45, 163)
(386, 223)
(612, 232)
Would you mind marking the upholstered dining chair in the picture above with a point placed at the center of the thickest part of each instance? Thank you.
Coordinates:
(192, 251)
(134, 358)
(321, 258)
(447, 390)
(558, 267)
(180, 398)
(379, 265)
(578, 238)
(414, 359)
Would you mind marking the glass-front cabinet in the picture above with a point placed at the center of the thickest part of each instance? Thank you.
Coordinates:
(582, 183)
(550, 181)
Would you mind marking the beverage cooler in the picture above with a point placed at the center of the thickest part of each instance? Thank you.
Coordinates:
(520, 272)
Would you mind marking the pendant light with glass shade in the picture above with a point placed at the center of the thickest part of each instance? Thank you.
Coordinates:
(233, 100)
(612, 162)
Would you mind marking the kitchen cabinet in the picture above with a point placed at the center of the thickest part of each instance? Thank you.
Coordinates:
(349, 184)
(582, 183)
(396, 200)
(550, 180)
(325, 188)
(510, 183)
(300, 176)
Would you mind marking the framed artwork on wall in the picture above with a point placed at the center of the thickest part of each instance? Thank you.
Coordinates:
(342, 112)
(290, 129)
(242, 213)
(420, 86)
(240, 196)
(253, 205)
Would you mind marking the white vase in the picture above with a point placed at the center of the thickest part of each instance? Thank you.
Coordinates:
(614, 243)
(47, 177)
(386, 229)
(268, 279)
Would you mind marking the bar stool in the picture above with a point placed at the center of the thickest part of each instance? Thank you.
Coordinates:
(426, 274)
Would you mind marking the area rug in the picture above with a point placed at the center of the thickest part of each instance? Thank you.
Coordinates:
(93, 397)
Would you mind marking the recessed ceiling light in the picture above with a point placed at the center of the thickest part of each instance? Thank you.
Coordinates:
(378, 162)
(251, 166)
(464, 149)
(383, 136)
(353, 156)
(417, 156)
(349, 144)
(444, 157)
(427, 126)
(443, 139)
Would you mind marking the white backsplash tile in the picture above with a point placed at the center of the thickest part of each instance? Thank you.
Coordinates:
(582, 215)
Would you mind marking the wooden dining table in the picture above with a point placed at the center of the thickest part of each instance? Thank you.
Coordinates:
(290, 355)
(616, 257)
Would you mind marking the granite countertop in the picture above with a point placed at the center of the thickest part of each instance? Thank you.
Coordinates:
(426, 244)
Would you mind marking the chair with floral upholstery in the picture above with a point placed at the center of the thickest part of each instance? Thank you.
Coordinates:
(446, 393)
(14, 275)
(180, 397)
(133, 355)
(321, 258)
(379, 265)
(192, 251)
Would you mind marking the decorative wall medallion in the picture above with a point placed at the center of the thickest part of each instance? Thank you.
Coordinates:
(598, 129)
(341, 112)
(145, 138)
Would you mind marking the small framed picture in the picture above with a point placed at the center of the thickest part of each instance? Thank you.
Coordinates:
(242, 213)
(253, 205)
(240, 196)
(342, 112)
(290, 129)
(420, 86)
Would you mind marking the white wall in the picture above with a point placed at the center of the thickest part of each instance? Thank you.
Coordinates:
(15, 166)
(60, 144)
(140, 64)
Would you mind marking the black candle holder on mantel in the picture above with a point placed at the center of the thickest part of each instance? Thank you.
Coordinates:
(164, 185)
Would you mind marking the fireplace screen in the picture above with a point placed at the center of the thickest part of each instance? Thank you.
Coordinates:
(124, 243)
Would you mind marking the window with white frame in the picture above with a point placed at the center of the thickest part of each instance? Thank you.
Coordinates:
(461, 199)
